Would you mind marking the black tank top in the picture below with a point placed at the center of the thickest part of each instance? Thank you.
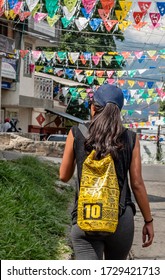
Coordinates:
(122, 163)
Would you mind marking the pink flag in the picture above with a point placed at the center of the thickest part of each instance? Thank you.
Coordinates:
(160, 92)
(36, 55)
(138, 54)
(111, 81)
(109, 24)
(17, 7)
(23, 53)
(155, 17)
(103, 14)
(39, 16)
(88, 5)
(96, 59)
(110, 73)
(78, 71)
(126, 54)
(24, 15)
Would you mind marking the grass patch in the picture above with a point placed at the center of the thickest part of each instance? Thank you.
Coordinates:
(34, 214)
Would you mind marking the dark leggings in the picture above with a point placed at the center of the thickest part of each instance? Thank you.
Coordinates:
(113, 247)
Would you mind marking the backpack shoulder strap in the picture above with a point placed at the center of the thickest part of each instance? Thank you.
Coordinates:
(84, 129)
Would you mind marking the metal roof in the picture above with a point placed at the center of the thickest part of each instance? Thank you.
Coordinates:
(59, 80)
(65, 115)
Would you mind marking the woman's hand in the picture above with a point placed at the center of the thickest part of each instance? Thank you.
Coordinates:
(147, 234)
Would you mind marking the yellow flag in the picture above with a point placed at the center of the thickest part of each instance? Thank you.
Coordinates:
(124, 24)
(53, 20)
(100, 80)
(12, 14)
(88, 72)
(148, 100)
(70, 59)
(113, 53)
(151, 53)
(125, 5)
(70, 4)
(121, 15)
(150, 91)
(83, 94)
(120, 73)
(38, 68)
(37, 7)
(131, 83)
(80, 89)
(107, 59)
(7, 14)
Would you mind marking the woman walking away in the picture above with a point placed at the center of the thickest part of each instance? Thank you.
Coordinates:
(107, 136)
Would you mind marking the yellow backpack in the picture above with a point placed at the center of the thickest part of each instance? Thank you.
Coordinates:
(98, 202)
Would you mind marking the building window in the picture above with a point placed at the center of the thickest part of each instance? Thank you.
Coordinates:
(27, 61)
(12, 114)
(3, 28)
(43, 88)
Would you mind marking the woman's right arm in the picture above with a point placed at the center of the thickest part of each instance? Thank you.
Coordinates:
(139, 190)
(68, 163)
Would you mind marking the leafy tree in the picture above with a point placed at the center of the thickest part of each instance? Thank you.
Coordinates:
(78, 110)
(162, 108)
(72, 40)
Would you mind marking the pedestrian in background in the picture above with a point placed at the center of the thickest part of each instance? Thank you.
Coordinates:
(107, 135)
(6, 126)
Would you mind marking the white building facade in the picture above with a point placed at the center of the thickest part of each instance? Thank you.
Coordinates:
(24, 94)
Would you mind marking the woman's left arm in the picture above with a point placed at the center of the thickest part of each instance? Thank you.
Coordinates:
(67, 166)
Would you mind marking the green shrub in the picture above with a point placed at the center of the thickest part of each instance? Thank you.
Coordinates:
(34, 214)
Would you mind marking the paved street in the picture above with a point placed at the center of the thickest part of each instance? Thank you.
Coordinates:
(154, 173)
(154, 177)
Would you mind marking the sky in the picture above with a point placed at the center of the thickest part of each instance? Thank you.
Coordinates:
(147, 38)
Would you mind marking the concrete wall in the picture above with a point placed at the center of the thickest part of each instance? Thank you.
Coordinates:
(12, 141)
(26, 83)
(149, 150)
(25, 118)
(10, 97)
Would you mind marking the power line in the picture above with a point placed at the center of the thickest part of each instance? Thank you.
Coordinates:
(72, 31)
(42, 37)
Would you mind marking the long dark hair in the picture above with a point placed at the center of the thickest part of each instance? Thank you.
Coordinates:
(105, 131)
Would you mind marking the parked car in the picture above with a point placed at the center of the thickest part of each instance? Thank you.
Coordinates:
(57, 137)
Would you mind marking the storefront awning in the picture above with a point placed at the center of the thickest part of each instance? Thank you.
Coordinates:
(65, 115)
(59, 80)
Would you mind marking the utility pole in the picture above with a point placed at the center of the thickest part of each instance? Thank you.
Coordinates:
(158, 152)
(0, 96)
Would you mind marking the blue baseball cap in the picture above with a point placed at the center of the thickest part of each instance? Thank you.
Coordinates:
(107, 93)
